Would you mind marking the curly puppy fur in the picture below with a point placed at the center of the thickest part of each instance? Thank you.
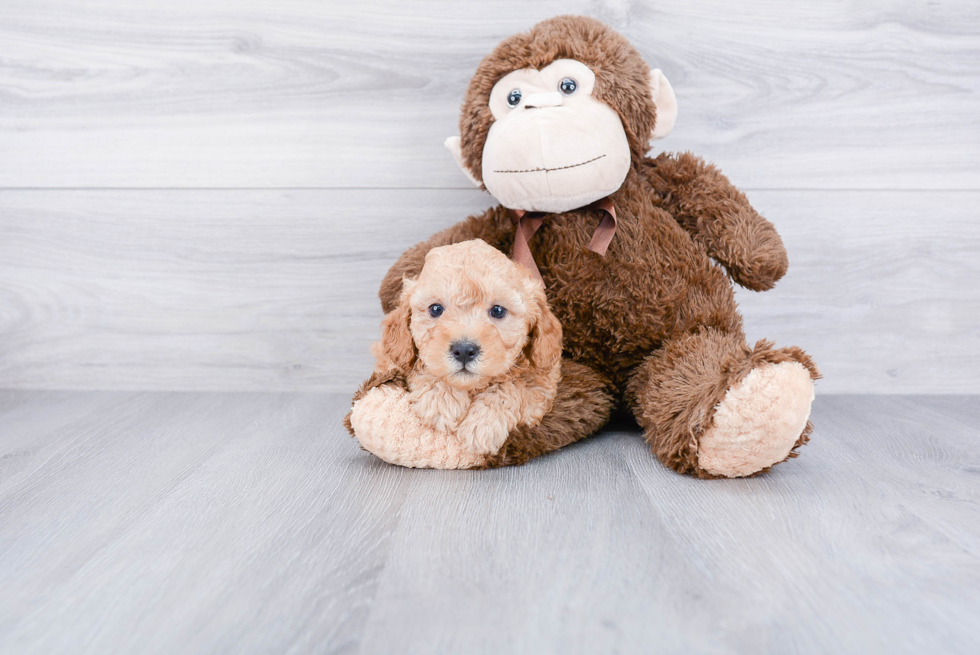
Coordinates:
(468, 406)
(653, 324)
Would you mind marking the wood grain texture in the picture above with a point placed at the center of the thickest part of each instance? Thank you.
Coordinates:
(179, 492)
(879, 289)
(201, 93)
(277, 290)
(237, 290)
(251, 523)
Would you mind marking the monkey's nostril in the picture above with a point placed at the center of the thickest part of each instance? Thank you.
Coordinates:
(464, 352)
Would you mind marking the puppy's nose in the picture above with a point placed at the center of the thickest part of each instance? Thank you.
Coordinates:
(464, 352)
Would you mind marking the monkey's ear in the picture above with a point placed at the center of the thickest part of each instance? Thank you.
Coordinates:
(666, 102)
(452, 143)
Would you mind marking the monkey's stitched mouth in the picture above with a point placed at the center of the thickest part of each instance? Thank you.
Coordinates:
(560, 168)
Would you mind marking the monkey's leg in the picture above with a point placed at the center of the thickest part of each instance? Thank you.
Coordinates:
(385, 425)
(582, 406)
(713, 407)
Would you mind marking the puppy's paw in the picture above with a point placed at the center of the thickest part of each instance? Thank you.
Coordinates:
(483, 430)
(438, 405)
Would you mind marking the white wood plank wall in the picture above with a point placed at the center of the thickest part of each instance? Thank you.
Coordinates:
(205, 195)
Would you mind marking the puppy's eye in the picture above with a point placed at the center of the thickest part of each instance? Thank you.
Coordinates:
(568, 86)
(436, 310)
(514, 98)
(497, 312)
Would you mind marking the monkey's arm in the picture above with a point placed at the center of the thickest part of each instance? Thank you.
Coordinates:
(493, 226)
(582, 405)
(720, 217)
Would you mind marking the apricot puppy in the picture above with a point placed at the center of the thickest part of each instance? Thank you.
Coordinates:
(480, 353)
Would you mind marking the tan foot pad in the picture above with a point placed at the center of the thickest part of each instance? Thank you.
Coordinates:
(386, 426)
(758, 422)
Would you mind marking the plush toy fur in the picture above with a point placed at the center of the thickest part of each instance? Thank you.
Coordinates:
(653, 324)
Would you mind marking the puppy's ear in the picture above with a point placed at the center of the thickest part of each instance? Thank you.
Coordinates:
(396, 350)
(545, 341)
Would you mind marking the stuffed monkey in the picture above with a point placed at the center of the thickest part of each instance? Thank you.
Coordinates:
(637, 254)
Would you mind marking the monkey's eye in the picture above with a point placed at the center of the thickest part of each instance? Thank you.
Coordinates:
(568, 86)
(514, 98)
(497, 312)
(436, 310)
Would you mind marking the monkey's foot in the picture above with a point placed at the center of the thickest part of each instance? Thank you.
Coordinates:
(758, 422)
(386, 426)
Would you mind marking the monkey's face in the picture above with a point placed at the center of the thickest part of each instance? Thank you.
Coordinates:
(553, 146)
(554, 116)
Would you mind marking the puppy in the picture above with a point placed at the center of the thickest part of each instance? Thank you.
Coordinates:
(479, 353)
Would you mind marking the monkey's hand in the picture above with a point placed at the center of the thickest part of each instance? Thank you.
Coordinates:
(384, 423)
(719, 216)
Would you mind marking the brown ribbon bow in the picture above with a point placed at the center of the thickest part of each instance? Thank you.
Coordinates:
(528, 224)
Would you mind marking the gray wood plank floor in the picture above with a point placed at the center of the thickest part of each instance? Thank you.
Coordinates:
(251, 523)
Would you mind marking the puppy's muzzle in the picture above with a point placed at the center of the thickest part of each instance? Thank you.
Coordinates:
(464, 352)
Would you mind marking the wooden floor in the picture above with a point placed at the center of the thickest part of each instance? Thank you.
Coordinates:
(245, 523)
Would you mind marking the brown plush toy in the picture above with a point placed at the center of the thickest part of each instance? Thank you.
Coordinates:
(637, 255)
